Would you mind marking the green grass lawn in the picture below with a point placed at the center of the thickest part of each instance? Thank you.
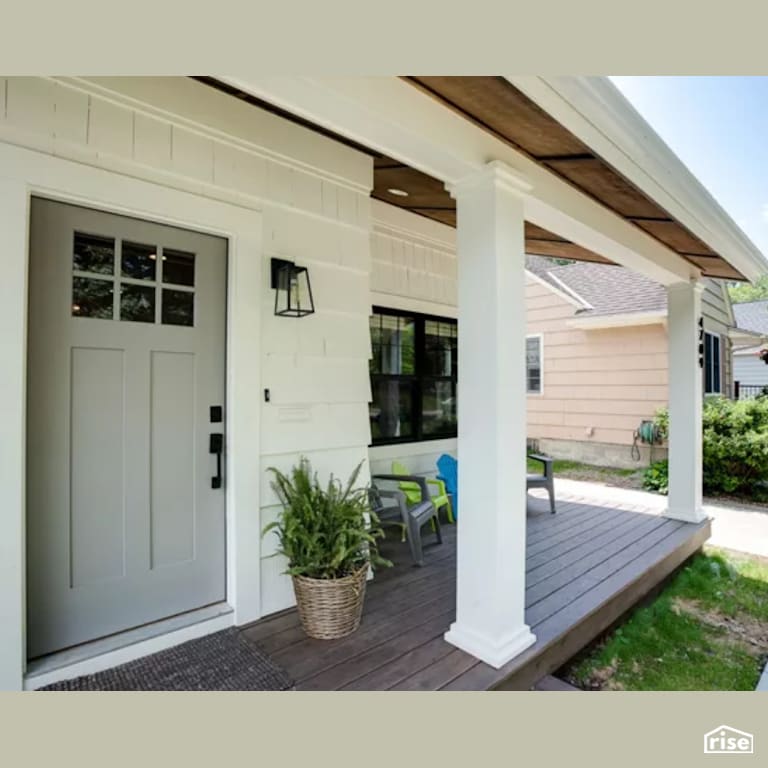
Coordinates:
(707, 631)
(573, 469)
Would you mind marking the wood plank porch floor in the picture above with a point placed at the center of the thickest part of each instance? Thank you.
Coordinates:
(585, 567)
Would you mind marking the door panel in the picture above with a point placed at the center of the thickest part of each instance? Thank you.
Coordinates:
(172, 501)
(97, 417)
(125, 357)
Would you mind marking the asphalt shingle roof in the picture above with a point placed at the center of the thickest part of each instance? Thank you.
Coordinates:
(606, 288)
(752, 316)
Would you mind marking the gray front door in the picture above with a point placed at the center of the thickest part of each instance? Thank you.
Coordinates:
(126, 357)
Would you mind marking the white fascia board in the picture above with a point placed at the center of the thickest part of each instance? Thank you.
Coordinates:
(567, 289)
(596, 111)
(622, 320)
(727, 299)
(743, 336)
(389, 115)
(570, 297)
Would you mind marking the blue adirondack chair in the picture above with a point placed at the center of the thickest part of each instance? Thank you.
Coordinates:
(448, 470)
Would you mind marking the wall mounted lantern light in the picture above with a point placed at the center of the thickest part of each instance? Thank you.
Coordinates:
(293, 291)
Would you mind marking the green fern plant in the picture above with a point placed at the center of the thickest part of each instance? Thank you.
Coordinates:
(325, 532)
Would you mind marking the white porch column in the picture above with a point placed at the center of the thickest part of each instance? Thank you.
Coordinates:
(685, 402)
(490, 620)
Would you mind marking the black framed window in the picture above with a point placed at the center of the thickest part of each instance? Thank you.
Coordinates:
(712, 364)
(413, 377)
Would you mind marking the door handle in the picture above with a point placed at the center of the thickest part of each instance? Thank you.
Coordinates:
(216, 446)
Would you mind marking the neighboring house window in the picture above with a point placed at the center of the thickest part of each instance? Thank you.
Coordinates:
(712, 364)
(533, 380)
(413, 377)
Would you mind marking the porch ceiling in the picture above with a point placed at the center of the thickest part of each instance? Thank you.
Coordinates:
(495, 105)
(428, 197)
(504, 112)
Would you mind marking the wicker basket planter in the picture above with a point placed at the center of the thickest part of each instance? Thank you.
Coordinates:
(330, 608)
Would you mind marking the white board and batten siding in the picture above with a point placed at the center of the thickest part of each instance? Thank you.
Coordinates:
(312, 195)
(413, 268)
(718, 318)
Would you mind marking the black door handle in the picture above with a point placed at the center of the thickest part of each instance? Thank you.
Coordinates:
(217, 446)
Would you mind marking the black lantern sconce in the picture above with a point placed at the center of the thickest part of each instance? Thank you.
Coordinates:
(293, 291)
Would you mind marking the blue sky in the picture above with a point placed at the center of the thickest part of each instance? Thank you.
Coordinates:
(718, 126)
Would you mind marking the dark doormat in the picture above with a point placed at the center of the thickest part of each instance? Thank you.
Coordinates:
(222, 661)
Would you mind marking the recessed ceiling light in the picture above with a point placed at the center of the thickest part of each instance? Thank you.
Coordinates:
(398, 192)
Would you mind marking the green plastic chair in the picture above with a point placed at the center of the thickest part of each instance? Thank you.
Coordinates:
(412, 491)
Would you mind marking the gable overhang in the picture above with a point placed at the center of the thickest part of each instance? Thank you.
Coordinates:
(389, 116)
(745, 339)
(595, 111)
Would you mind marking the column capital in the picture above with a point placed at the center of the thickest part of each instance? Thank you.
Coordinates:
(493, 174)
(693, 284)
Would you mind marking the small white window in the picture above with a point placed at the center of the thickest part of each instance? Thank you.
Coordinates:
(712, 364)
(533, 367)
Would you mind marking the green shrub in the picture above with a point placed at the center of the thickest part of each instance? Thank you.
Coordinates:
(324, 532)
(656, 477)
(735, 446)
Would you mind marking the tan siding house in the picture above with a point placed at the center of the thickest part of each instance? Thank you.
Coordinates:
(605, 370)
(598, 384)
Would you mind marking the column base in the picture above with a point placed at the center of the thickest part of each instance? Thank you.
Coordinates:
(686, 514)
(496, 653)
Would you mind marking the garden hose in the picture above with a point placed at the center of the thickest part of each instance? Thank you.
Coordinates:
(648, 432)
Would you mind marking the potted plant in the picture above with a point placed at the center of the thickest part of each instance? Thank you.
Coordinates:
(328, 535)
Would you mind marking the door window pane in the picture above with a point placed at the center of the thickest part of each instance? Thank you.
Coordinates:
(137, 303)
(178, 267)
(93, 253)
(178, 307)
(438, 408)
(92, 298)
(139, 261)
(391, 411)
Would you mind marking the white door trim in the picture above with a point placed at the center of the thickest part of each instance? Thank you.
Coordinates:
(24, 173)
